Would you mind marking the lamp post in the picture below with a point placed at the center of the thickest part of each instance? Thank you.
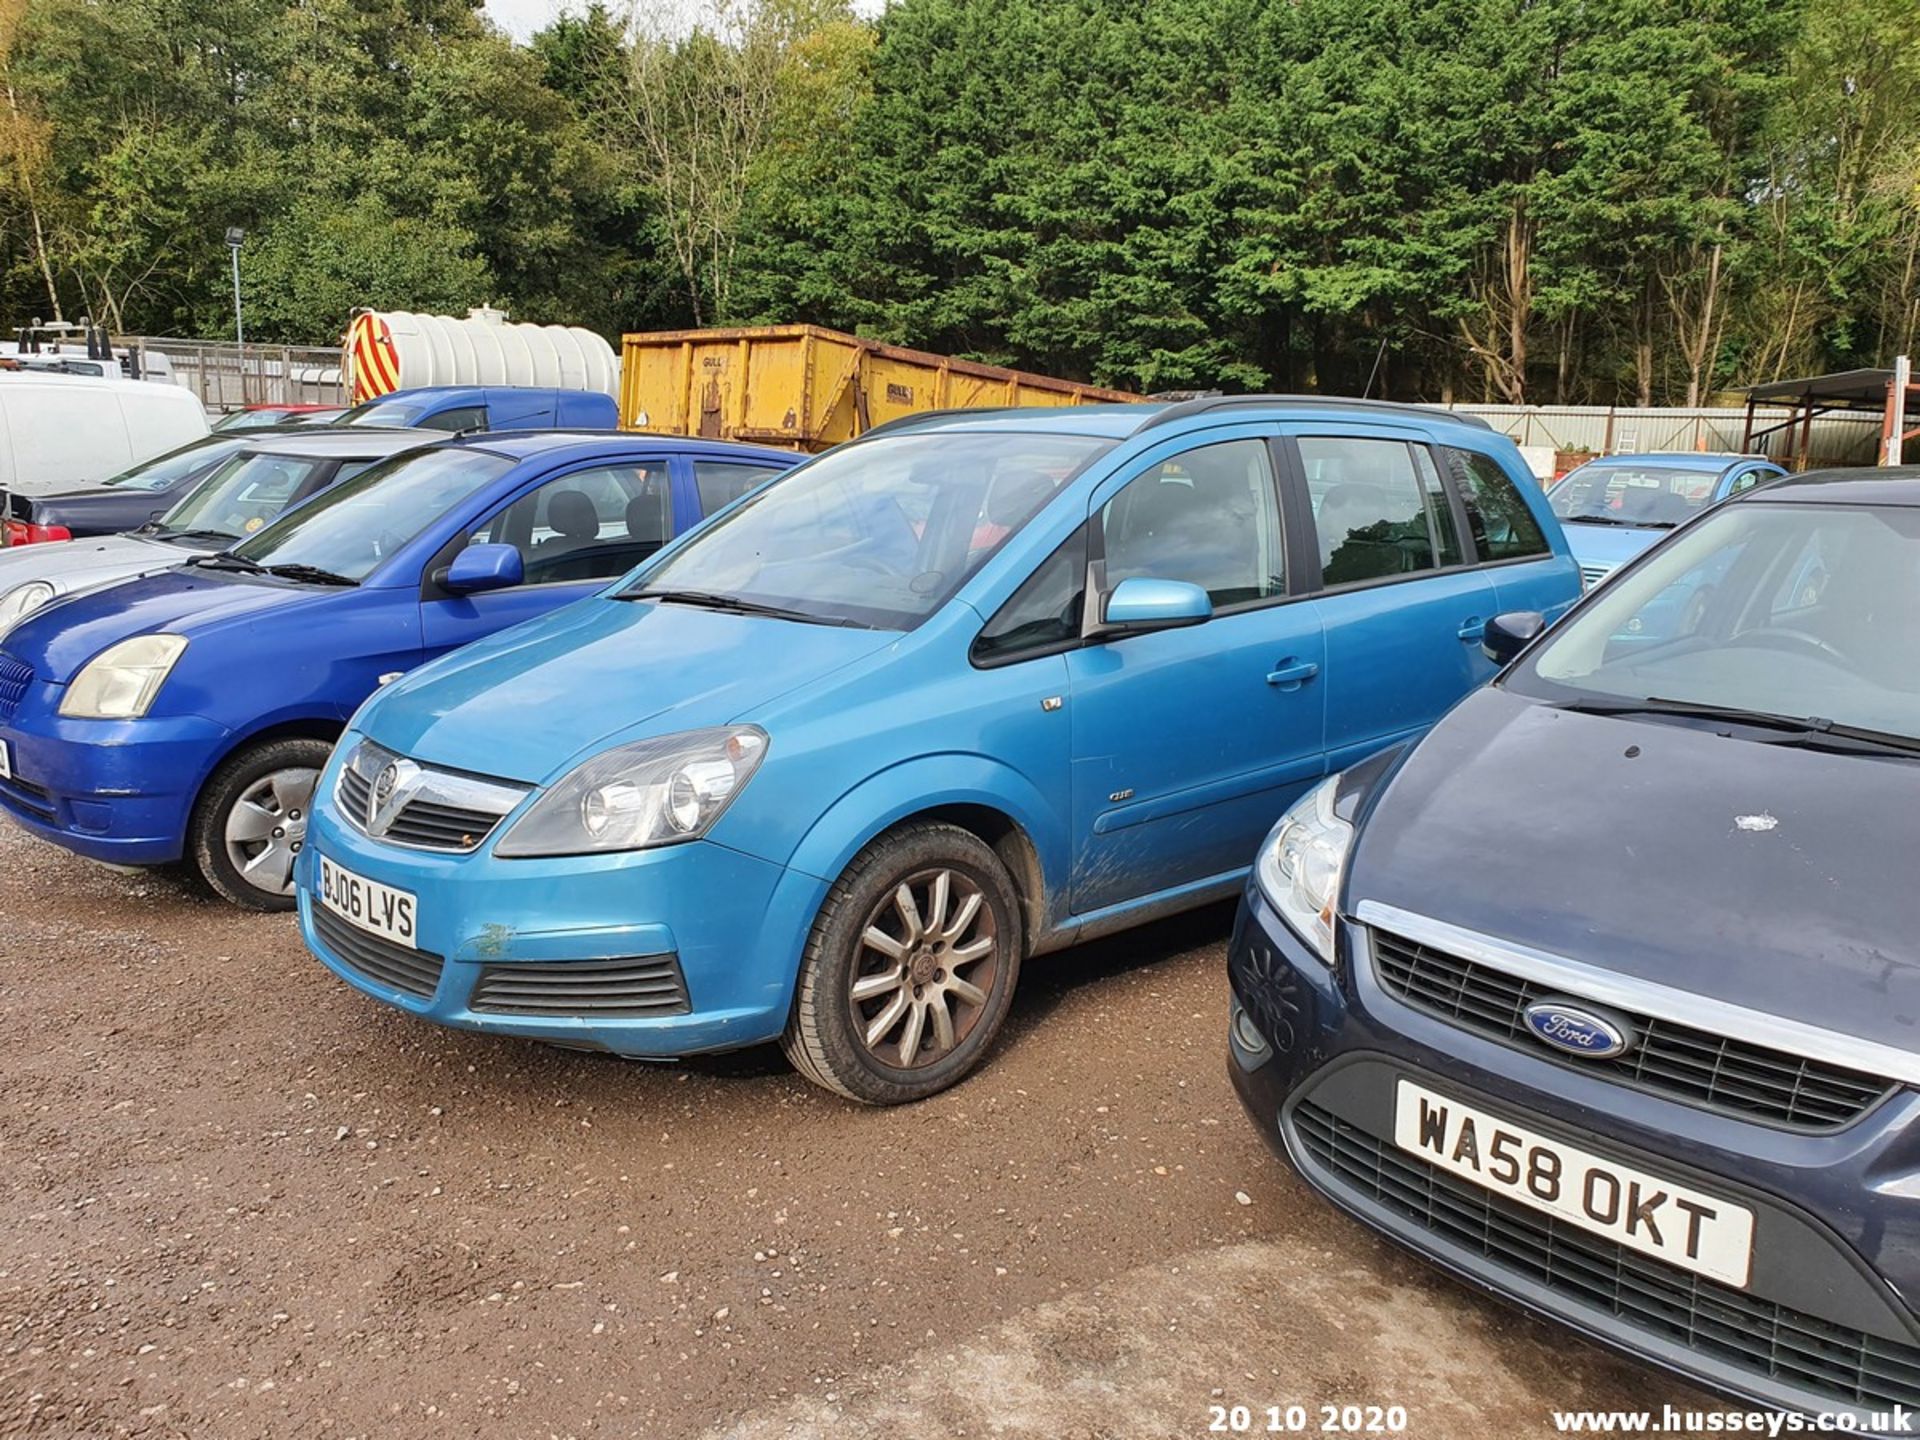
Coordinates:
(236, 237)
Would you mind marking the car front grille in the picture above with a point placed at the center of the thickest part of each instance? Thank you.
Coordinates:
(432, 817)
(1757, 1336)
(603, 989)
(412, 972)
(15, 677)
(1592, 575)
(1678, 1061)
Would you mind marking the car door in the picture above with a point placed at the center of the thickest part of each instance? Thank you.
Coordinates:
(1404, 608)
(1188, 742)
(576, 530)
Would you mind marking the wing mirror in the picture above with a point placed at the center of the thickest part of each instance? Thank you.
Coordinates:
(484, 567)
(1507, 635)
(1144, 603)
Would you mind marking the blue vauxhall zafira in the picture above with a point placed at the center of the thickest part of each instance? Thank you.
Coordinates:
(970, 689)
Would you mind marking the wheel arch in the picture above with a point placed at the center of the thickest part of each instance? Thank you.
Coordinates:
(980, 795)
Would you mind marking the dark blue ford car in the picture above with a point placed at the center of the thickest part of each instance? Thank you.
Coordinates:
(1605, 994)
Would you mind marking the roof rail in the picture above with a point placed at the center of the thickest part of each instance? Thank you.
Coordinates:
(1209, 403)
(921, 417)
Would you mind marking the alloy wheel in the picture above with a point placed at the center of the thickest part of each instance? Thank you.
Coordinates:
(929, 958)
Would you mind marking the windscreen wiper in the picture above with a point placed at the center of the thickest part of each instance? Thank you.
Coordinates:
(1598, 520)
(225, 537)
(221, 560)
(312, 574)
(734, 605)
(1794, 729)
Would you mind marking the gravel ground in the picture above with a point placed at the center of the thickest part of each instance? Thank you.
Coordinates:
(243, 1200)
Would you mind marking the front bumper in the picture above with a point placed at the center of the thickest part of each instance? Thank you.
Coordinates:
(120, 791)
(725, 927)
(1821, 1327)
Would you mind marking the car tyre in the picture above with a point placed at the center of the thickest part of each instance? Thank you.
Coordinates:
(909, 969)
(250, 822)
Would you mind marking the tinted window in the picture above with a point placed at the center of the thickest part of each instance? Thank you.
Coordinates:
(881, 532)
(1747, 479)
(588, 525)
(1044, 614)
(1209, 517)
(1445, 532)
(720, 483)
(1503, 527)
(1375, 517)
(461, 417)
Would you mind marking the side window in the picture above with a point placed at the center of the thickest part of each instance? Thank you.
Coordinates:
(1503, 526)
(587, 525)
(1209, 517)
(1044, 614)
(463, 417)
(1376, 516)
(720, 483)
(1746, 480)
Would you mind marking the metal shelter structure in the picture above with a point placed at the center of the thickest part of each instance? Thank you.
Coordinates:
(1886, 391)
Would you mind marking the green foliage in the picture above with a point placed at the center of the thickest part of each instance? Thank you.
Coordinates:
(1519, 199)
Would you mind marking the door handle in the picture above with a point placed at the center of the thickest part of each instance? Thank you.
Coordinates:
(1474, 631)
(1292, 674)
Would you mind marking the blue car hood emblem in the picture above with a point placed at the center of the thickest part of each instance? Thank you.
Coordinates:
(1579, 1029)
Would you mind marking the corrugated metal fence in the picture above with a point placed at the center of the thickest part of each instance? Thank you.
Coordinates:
(1603, 429)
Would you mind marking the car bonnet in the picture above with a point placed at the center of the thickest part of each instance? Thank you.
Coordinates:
(528, 702)
(1756, 874)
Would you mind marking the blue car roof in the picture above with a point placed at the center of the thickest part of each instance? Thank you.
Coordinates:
(1118, 422)
(529, 444)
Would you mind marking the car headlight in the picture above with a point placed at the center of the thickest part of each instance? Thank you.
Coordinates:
(652, 792)
(1300, 865)
(22, 601)
(120, 682)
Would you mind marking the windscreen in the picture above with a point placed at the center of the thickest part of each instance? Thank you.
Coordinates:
(242, 496)
(1786, 609)
(878, 533)
(165, 471)
(350, 529)
(1661, 496)
(388, 414)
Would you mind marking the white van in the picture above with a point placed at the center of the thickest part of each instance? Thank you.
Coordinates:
(58, 432)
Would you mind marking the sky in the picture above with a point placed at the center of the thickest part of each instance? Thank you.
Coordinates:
(520, 18)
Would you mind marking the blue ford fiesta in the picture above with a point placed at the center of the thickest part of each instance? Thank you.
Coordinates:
(185, 715)
(1605, 995)
(966, 690)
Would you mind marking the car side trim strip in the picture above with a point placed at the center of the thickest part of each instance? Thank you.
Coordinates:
(1606, 987)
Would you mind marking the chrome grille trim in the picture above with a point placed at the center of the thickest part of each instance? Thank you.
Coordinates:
(432, 809)
(1578, 980)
